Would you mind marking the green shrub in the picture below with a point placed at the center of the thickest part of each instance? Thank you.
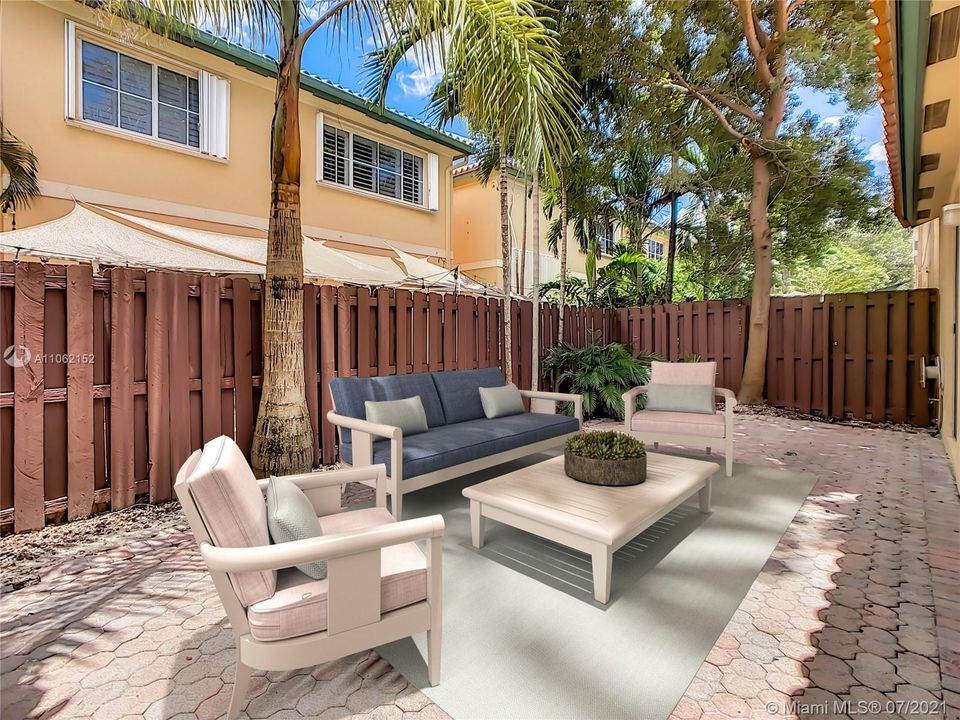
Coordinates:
(601, 373)
(605, 445)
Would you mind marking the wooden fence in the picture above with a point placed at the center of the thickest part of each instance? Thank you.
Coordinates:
(131, 371)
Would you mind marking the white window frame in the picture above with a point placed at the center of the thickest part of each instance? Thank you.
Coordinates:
(651, 254)
(428, 170)
(76, 35)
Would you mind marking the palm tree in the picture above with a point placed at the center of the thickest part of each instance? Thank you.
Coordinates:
(20, 167)
(503, 67)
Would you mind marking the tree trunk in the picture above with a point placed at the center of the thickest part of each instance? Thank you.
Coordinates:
(522, 260)
(535, 271)
(283, 437)
(754, 369)
(672, 240)
(563, 261)
(507, 255)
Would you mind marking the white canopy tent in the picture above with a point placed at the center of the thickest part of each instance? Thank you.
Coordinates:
(90, 233)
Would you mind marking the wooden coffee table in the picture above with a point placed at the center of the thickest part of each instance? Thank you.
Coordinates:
(542, 500)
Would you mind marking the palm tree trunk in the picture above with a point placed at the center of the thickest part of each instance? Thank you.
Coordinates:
(507, 255)
(672, 241)
(535, 353)
(522, 261)
(563, 261)
(283, 437)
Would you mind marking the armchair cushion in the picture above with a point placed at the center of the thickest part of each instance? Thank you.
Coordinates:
(231, 506)
(351, 393)
(678, 423)
(664, 397)
(459, 391)
(407, 414)
(459, 443)
(290, 516)
(299, 605)
(683, 373)
(501, 401)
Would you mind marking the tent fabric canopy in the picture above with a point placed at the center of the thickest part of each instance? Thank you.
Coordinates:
(100, 235)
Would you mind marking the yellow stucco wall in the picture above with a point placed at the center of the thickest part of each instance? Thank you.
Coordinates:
(103, 167)
(476, 229)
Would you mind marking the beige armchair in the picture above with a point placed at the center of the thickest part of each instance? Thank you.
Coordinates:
(683, 428)
(380, 586)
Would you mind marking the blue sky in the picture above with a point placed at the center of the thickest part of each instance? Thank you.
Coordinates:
(339, 58)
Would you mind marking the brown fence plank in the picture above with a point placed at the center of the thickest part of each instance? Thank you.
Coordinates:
(857, 349)
(879, 324)
(121, 388)
(180, 446)
(838, 387)
(365, 333)
(384, 341)
(419, 332)
(28, 387)
(404, 356)
(80, 469)
(345, 335)
(310, 367)
(158, 378)
(243, 364)
(211, 374)
(328, 369)
(434, 333)
(804, 389)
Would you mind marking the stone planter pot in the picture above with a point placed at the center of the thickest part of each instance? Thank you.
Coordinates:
(612, 473)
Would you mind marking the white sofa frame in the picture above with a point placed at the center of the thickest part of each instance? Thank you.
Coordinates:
(696, 441)
(354, 620)
(363, 433)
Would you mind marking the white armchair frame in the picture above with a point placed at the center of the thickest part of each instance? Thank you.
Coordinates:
(354, 619)
(363, 433)
(698, 441)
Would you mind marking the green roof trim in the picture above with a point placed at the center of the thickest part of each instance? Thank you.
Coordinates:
(266, 66)
(913, 35)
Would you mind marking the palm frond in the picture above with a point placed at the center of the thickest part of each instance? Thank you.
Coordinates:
(21, 167)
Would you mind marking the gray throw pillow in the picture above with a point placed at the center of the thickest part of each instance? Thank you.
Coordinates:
(501, 401)
(681, 398)
(407, 414)
(290, 516)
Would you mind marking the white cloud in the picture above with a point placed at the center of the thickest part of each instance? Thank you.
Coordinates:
(877, 154)
(419, 83)
(832, 120)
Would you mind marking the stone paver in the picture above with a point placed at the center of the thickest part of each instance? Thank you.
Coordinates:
(856, 613)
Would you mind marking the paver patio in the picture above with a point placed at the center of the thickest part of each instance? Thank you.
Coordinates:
(860, 602)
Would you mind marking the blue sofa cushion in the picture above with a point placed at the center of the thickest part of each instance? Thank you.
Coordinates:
(449, 445)
(459, 392)
(350, 394)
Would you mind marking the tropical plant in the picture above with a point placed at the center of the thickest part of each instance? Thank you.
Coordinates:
(20, 167)
(739, 62)
(628, 280)
(601, 373)
(605, 445)
(503, 68)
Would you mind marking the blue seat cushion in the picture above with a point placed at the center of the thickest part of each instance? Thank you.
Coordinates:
(459, 392)
(350, 394)
(449, 445)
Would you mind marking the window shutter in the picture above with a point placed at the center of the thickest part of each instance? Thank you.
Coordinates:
(433, 182)
(70, 64)
(214, 115)
(319, 153)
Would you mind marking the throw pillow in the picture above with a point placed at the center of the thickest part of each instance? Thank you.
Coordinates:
(407, 414)
(501, 401)
(290, 516)
(663, 397)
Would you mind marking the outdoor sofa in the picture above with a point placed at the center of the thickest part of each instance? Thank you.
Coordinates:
(460, 438)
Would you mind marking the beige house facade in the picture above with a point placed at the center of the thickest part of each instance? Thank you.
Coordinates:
(917, 53)
(476, 233)
(179, 130)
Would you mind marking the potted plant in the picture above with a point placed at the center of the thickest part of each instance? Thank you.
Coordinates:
(605, 458)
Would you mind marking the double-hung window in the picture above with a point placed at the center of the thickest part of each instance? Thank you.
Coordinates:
(363, 163)
(148, 98)
(127, 93)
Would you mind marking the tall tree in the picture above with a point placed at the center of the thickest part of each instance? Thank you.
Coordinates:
(740, 60)
(495, 54)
